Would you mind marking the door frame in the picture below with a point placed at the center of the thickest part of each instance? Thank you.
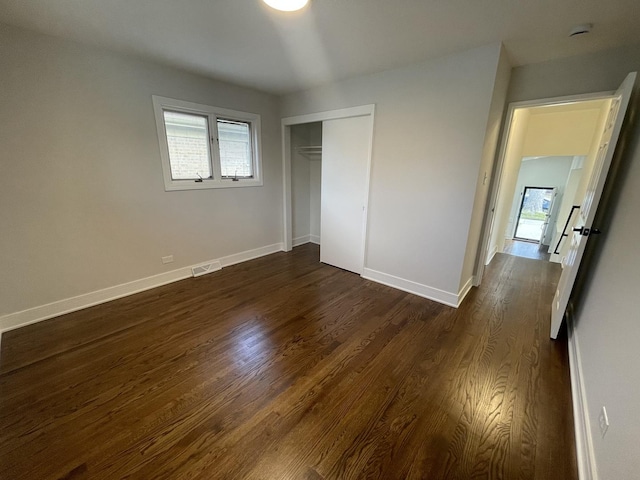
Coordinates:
(496, 177)
(286, 124)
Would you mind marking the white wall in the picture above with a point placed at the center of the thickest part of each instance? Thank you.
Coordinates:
(82, 200)
(561, 132)
(483, 183)
(607, 326)
(430, 126)
(508, 179)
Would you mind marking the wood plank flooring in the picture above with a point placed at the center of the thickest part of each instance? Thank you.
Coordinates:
(532, 250)
(285, 368)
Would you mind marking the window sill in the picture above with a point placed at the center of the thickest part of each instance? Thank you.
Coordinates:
(210, 184)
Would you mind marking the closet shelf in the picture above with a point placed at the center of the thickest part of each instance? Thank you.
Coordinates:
(312, 152)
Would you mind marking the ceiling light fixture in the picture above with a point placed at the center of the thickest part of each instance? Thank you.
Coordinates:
(286, 5)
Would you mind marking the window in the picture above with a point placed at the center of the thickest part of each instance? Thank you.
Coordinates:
(207, 147)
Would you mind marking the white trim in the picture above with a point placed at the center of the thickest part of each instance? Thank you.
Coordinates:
(247, 255)
(492, 254)
(68, 305)
(213, 114)
(435, 294)
(314, 239)
(466, 288)
(496, 178)
(359, 111)
(301, 240)
(584, 444)
(286, 123)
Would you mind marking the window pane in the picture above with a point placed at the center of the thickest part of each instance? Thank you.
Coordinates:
(234, 139)
(188, 141)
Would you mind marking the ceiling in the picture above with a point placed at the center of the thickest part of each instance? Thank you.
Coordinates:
(246, 42)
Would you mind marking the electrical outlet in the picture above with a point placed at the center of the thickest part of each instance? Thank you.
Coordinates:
(603, 421)
(167, 259)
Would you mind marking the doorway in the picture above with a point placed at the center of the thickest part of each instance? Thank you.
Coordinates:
(547, 156)
(345, 165)
(534, 213)
(547, 125)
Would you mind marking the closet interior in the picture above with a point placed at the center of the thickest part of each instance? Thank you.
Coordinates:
(306, 174)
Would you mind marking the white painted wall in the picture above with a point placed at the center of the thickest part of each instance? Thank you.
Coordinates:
(483, 183)
(607, 326)
(560, 132)
(430, 128)
(539, 172)
(82, 201)
(508, 179)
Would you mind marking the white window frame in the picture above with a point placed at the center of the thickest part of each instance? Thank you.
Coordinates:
(160, 104)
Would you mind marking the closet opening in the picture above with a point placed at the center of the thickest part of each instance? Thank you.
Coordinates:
(327, 164)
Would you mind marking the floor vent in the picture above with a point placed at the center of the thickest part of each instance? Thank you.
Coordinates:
(206, 268)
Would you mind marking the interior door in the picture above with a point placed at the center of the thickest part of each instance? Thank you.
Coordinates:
(549, 211)
(589, 205)
(343, 193)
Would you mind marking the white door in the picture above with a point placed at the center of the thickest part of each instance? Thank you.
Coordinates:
(343, 195)
(550, 210)
(590, 203)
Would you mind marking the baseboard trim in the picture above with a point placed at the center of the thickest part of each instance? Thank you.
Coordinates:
(584, 445)
(465, 290)
(68, 305)
(314, 239)
(435, 294)
(492, 254)
(301, 240)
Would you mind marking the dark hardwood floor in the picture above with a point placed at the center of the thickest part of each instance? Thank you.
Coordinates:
(285, 368)
(532, 250)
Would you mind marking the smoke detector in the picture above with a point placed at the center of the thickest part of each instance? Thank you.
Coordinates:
(580, 29)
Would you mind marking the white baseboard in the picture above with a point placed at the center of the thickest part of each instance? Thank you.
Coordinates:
(301, 240)
(250, 254)
(68, 305)
(584, 445)
(306, 239)
(440, 296)
(492, 253)
(465, 290)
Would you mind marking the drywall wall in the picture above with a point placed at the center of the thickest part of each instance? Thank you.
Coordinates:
(560, 133)
(430, 126)
(540, 172)
(494, 124)
(508, 179)
(83, 205)
(300, 184)
(607, 328)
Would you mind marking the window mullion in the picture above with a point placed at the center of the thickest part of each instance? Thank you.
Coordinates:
(215, 147)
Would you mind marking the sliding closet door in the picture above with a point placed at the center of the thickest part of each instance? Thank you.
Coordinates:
(345, 153)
